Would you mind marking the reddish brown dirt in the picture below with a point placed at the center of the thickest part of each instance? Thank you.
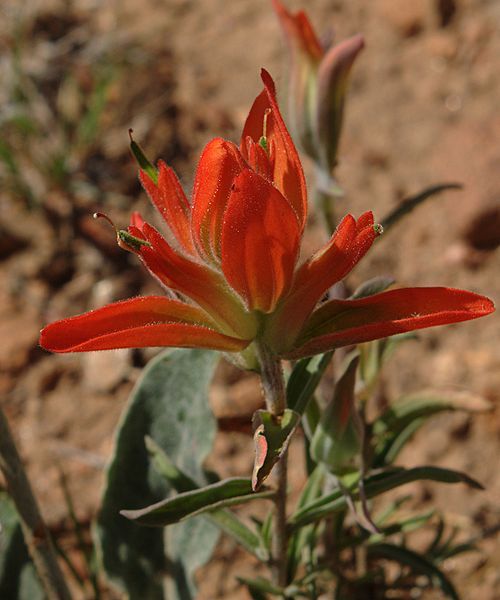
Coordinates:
(422, 110)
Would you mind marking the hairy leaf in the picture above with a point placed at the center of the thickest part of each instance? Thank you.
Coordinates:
(169, 404)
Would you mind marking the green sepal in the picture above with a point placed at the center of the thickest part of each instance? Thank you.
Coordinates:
(271, 437)
(131, 240)
(144, 163)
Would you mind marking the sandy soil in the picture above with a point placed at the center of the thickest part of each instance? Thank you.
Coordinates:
(422, 110)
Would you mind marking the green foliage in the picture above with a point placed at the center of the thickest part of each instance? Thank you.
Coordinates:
(338, 439)
(409, 204)
(224, 519)
(397, 424)
(18, 578)
(417, 563)
(171, 407)
(304, 380)
(189, 504)
(375, 485)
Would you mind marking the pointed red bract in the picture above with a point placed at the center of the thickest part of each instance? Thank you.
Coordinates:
(169, 198)
(198, 281)
(220, 163)
(288, 175)
(350, 242)
(346, 322)
(137, 323)
(260, 242)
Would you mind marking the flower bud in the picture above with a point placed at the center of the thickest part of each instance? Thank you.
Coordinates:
(318, 81)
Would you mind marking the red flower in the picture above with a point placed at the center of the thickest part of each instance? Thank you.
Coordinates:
(233, 252)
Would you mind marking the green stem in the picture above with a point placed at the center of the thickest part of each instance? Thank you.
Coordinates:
(273, 385)
(36, 534)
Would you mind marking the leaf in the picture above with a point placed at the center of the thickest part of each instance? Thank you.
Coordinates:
(401, 420)
(417, 563)
(403, 526)
(304, 380)
(299, 539)
(224, 519)
(373, 286)
(171, 406)
(375, 485)
(189, 546)
(218, 495)
(425, 404)
(18, 577)
(338, 438)
(409, 204)
(260, 585)
(271, 437)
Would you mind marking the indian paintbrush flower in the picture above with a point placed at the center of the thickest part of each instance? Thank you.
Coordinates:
(318, 82)
(230, 265)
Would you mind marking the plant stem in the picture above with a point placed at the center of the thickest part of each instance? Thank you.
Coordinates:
(36, 534)
(271, 373)
(273, 385)
(280, 537)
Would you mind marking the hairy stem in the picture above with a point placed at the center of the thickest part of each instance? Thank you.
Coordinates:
(280, 538)
(36, 534)
(273, 385)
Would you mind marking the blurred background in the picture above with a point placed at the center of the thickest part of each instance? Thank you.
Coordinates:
(422, 109)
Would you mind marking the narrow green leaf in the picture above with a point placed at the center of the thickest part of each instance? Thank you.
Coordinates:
(304, 380)
(395, 427)
(224, 519)
(170, 404)
(404, 526)
(188, 504)
(375, 485)
(409, 204)
(417, 563)
(391, 449)
(425, 404)
(390, 509)
(299, 539)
